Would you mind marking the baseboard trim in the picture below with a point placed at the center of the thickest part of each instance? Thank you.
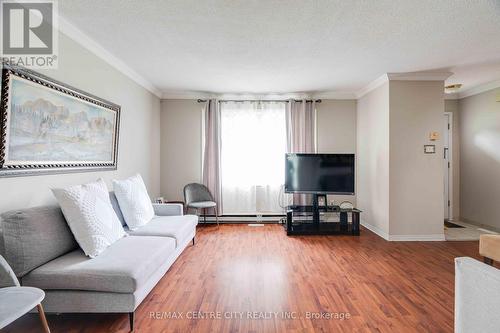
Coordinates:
(242, 219)
(417, 238)
(376, 230)
(480, 225)
(403, 238)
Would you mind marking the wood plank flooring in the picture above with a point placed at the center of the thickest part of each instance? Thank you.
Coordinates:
(256, 279)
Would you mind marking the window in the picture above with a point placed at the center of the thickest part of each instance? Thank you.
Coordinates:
(253, 146)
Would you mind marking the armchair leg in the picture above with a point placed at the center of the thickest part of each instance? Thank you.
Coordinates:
(41, 314)
(488, 261)
(216, 215)
(131, 316)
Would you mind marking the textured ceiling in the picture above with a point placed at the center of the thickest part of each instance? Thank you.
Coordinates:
(292, 46)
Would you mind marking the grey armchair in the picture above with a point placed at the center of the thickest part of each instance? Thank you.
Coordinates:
(198, 196)
(15, 301)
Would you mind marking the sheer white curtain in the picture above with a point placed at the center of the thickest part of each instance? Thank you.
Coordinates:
(253, 146)
(301, 133)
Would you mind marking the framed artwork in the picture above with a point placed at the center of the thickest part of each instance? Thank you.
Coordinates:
(49, 127)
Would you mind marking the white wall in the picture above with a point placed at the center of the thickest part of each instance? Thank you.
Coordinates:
(139, 144)
(181, 146)
(181, 138)
(336, 133)
(480, 159)
(336, 126)
(416, 179)
(372, 133)
(400, 189)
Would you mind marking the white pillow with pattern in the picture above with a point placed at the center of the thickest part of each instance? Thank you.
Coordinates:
(90, 216)
(134, 201)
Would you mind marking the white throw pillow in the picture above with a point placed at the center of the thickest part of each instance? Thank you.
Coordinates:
(134, 201)
(90, 216)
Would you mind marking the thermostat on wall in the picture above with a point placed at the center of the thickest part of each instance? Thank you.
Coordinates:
(429, 149)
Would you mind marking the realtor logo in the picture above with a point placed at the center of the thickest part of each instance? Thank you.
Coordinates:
(29, 33)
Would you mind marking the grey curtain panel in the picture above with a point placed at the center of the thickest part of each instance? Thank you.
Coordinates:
(301, 134)
(211, 159)
(300, 127)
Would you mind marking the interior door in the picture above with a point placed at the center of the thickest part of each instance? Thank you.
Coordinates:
(446, 165)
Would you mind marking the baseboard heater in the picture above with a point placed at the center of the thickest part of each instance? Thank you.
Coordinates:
(245, 218)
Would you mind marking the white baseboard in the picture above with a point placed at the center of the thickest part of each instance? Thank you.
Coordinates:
(375, 230)
(403, 238)
(417, 238)
(242, 219)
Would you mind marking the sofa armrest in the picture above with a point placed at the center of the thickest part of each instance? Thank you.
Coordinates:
(477, 296)
(168, 209)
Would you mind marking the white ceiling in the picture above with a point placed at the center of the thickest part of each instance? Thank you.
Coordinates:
(272, 46)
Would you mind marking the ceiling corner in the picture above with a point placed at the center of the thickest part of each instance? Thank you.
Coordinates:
(84, 40)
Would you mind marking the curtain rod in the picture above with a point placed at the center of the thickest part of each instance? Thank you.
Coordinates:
(262, 100)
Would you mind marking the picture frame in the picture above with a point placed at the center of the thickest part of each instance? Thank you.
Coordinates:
(49, 127)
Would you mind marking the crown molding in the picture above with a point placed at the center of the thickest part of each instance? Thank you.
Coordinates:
(187, 95)
(334, 95)
(419, 76)
(451, 96)
(83, 39)
(411, 76)
(248, 96)
(479, 89)
(206, 95)
(340, 95)
(372, 85)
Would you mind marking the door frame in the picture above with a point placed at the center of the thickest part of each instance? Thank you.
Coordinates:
(450, 160)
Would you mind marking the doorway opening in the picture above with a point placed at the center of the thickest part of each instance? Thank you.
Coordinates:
(448, 165)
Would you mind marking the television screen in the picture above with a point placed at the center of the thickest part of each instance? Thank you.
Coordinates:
(319, 173)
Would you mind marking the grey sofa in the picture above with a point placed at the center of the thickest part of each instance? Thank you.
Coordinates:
(40, 248)
(477, 296)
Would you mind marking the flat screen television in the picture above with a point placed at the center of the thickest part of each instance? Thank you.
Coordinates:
(319, 173)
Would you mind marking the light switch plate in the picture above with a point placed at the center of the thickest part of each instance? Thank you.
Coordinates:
(429, 149)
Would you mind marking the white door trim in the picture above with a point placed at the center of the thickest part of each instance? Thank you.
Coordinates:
(450, 159)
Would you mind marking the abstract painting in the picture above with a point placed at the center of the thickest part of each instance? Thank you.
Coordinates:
(47, 126)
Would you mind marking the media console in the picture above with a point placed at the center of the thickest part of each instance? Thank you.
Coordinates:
(310, 220)
(319, 175)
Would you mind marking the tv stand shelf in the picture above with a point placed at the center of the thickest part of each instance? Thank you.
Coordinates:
(314, 220)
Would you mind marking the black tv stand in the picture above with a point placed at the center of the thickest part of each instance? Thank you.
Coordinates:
(307, 220)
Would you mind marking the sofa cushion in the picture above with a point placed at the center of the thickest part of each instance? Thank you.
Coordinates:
(123, 267)
(178, 227)
(134, 201)
(35, 236)
(90, 216)
(116, 207)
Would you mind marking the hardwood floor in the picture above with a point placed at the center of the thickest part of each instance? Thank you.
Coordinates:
(382, 286)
